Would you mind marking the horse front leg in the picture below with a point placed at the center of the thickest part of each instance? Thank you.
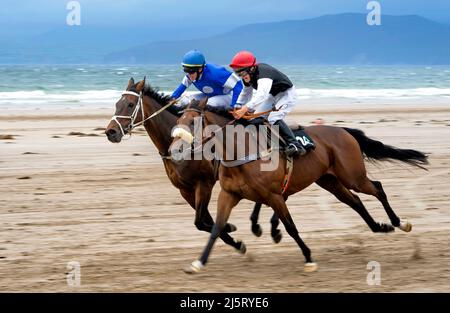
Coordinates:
(204, 221)
(278, 204)
(225, 204)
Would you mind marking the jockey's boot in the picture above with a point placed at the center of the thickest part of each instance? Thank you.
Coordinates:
(293, 147)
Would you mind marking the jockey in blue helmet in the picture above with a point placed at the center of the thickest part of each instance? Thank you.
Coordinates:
(213, 81)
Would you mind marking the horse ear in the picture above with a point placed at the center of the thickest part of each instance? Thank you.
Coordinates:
(192, 103)
(202, 103)
(140, 85)
(130, 83)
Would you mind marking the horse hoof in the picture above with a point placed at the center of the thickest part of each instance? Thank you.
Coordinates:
(257, 230)
(405, 226)
(277, 238)
(385, 228)
(389, 228)
(231, 228)
(243, 248)
(310, 267)
(194, 268)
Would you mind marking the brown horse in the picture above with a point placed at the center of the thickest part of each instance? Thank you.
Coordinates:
(196, 178)
(336, 165)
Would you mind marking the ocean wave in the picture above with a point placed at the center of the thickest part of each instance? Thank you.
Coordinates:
(40, 98)
(70, 95)
(106, 98)
(307, 93)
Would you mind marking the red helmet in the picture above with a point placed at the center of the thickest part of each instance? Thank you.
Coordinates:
(243, 59)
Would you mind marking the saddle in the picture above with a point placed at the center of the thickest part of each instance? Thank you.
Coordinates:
(299, 131)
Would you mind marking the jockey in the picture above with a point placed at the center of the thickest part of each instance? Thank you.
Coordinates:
(213, 81)
(273, 88)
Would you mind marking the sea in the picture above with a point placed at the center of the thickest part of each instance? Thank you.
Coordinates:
(100, 86)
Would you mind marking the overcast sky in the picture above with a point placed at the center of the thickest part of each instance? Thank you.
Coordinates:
(202, 16)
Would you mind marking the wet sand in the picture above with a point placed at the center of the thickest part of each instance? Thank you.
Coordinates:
(67, 194)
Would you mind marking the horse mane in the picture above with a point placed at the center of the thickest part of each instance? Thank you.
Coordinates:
(195, 104)
(159, 97)
(224, 112)
(220, 111)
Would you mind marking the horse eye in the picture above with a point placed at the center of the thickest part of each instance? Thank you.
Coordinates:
(130, 105)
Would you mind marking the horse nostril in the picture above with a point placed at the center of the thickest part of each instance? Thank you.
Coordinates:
(110, 132)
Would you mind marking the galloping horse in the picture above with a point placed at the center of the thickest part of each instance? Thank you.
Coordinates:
(336, 165)
(195, 178)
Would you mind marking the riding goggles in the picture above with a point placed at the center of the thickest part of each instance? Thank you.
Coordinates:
(241, 72)
(190, 70)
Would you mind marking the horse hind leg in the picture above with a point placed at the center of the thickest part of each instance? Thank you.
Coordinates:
(275, 232)
(256, 228)
(375, 188)
(274, 221)
(333, 185)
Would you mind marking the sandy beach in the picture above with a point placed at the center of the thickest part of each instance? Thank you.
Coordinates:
(69, 195)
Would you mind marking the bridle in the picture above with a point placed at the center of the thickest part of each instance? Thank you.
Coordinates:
(133, 115)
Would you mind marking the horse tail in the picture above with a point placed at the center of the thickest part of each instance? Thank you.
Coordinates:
(377, 151)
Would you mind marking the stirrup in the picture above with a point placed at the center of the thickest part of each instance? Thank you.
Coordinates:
(293, 150)
(310, 146)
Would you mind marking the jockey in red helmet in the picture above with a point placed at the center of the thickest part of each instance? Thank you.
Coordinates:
(273, 88)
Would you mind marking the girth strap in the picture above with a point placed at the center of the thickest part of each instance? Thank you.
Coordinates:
(287, 177)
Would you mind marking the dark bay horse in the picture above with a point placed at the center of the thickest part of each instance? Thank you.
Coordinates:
(195, 178)
(336, 165)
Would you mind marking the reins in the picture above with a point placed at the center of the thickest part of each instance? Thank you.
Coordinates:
(206, 139)
(247, 116)
(133, 115)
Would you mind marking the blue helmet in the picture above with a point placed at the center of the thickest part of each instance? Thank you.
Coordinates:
(193, 58)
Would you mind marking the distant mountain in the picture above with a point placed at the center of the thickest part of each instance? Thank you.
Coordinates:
(85, 43)
(330, 39)
(67, 45)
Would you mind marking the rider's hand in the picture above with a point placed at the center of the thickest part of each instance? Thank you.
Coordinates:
(237, 114)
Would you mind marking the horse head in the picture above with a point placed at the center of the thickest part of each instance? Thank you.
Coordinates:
(129, 111)
(185, 124)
